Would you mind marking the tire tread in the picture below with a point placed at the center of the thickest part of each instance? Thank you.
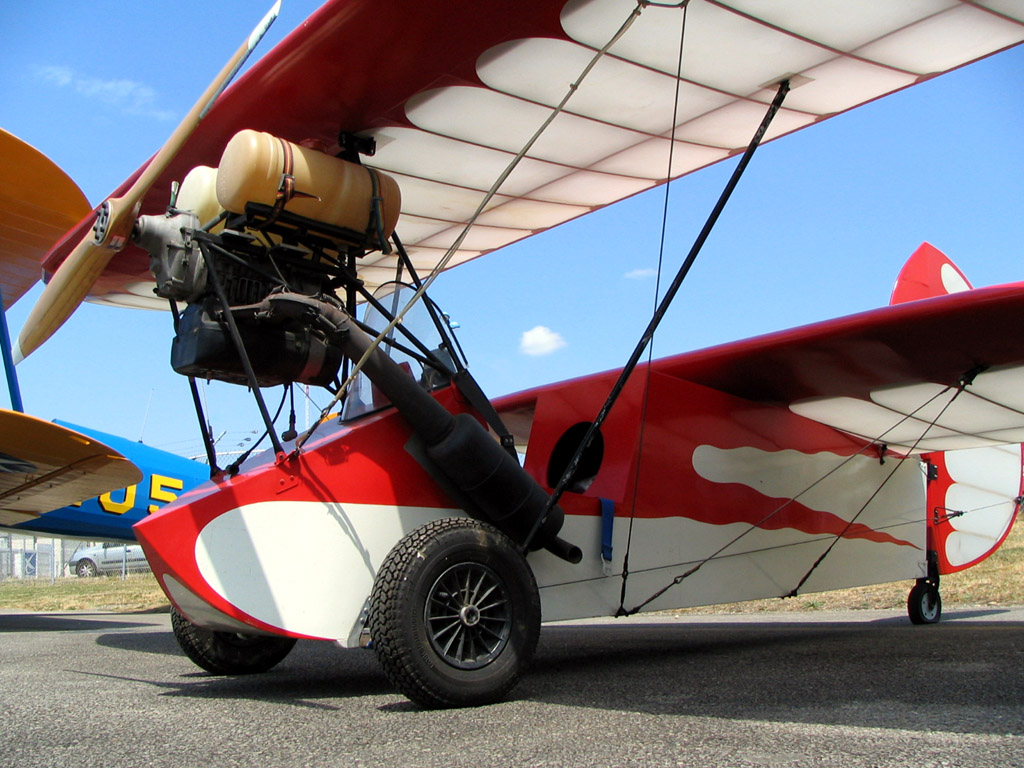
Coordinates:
(209, 651)
(394, 649)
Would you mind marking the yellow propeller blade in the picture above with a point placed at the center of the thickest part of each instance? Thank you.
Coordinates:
(78, 273)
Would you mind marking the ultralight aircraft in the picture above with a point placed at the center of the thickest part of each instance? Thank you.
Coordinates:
(442, 527)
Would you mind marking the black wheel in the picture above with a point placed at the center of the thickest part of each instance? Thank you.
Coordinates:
(228, 653)
(454, 614)
(85, 568)
(924, 604)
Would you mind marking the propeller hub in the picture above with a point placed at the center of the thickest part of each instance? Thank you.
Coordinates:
(102, 223)
(114, 221)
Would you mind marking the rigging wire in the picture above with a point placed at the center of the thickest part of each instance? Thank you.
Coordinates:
(1016, 502)
(951, 514)
(964, 382)
(877, 441)
(484, 202)
(657, 294)
(959, 390)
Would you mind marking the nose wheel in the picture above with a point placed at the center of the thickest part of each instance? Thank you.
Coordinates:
(228, 653)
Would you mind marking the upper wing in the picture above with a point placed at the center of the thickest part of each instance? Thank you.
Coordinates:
(452, 91)
(38, 204)
(44, 466)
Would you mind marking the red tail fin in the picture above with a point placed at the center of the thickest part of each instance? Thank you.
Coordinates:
(972, 494)
(928, 273)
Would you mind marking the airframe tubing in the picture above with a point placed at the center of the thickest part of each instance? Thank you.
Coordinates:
(5, 348)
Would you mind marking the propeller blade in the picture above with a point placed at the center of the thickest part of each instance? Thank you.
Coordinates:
(78, 273)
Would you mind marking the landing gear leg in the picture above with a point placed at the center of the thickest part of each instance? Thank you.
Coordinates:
(924, 604)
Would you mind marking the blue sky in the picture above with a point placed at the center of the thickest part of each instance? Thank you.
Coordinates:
(818, 228)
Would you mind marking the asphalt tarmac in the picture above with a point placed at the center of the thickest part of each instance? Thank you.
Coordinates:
(845, 689)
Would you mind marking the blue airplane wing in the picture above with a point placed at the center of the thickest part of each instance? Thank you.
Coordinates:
(110, 515)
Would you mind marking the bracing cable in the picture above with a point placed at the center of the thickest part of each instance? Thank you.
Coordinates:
(657, 294)
(666, 301)
(879, 440)
(899, 463)
(484, 202)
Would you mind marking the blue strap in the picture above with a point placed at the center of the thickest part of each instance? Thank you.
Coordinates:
(607, 523)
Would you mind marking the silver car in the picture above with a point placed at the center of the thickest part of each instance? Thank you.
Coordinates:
(108, 558)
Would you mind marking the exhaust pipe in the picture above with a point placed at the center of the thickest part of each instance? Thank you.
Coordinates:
(506, 496)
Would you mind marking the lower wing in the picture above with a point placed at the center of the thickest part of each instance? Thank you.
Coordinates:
(44, 466)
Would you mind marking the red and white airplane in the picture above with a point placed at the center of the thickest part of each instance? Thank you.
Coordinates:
(872, 448)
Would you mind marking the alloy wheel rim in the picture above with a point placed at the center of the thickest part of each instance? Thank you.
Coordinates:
(468, 617)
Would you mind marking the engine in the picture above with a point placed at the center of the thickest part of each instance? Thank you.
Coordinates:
(258, 251)
(273, 217)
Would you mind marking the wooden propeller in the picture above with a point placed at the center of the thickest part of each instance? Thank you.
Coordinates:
(115, 217)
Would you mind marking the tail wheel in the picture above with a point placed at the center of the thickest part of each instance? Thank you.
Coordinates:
(924, 604)
(454, 614)
(228, 653)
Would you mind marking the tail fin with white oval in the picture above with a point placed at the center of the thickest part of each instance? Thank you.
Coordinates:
(973, 494)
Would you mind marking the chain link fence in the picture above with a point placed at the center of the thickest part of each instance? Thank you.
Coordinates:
(35, 561)
(33, 557)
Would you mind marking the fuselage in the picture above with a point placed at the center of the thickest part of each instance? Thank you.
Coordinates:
(292, 545)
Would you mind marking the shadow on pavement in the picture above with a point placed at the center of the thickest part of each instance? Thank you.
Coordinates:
(951, 676)
(74, 622)
(312, 671)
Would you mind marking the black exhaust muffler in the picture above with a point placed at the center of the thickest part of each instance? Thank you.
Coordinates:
(458, 445)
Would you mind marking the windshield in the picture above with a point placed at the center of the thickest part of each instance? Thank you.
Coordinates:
(363, 397)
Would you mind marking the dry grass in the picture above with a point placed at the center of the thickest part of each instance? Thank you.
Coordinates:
(997, 581)
(136, 593)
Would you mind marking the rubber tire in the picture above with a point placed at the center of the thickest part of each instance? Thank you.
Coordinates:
(924, 603)
(85, 569)
(228, 653)
(397, 620)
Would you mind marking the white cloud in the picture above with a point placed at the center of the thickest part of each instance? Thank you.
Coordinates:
(128, 96)
(59, 76)
(541, 340)
(640, 274)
